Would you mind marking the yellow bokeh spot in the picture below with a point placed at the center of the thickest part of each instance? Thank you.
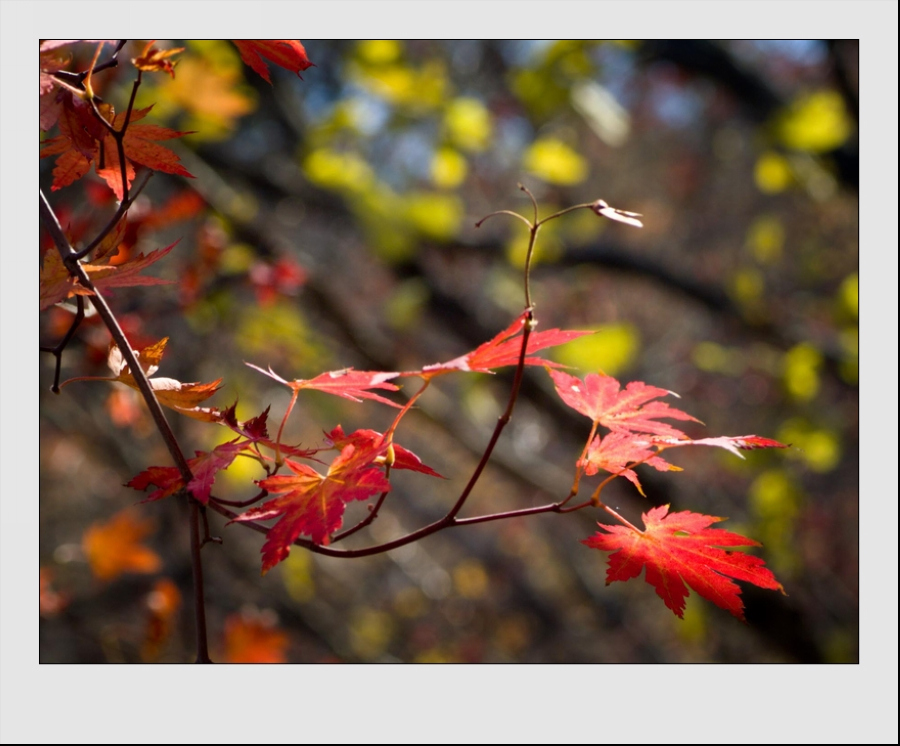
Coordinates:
(612, 349)
(714, 358)
(801, 371)
(555, 162)
(279, 329)
(823, 452)
(766, 239)
(379, 51)
(772, 495)
(816, 123)
(213, 94)
(747, 286)
(296, 572)
(468, 124)
(435, 655)
(692, 628)
(775, 501)
(405, 305)
(340, 171)
(370, 633)
(470, 579)
(547, 250)
(448, 168)
(237, 259)
(849, 294)
(849, 365)
(410, 602)
(819, 448)
(243, 470)
(419, 89)
(434, 215)
(772, 173)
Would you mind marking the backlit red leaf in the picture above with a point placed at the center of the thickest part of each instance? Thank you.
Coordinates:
(504, 349)
(204, 467)
(403, 458)
(286, 53)
(680, 550)
(619, 450)
(312, 504)
(346, 383)
(600, 398)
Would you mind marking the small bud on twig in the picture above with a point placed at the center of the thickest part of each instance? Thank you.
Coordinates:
(623, 216)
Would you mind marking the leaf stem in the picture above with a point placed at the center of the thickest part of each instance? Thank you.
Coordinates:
(502, 420)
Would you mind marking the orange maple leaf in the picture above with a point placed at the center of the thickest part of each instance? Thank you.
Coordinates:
(679, 549)
(114, 547)
(182, 397)
(253, 638)
(57, 284)
(156, 60)
(162, 603)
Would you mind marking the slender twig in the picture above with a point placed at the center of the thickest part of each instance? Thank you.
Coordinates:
(372, 515)
(51, 222)
(76, 80)
(197, 568)
(501, 421)
(241, 503)
(48, 217)
(432, 528)
(139, 185)
(58, 350)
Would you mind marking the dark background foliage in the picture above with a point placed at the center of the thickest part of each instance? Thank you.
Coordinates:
(340, 232)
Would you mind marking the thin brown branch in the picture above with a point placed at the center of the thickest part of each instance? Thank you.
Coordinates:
(58, 350)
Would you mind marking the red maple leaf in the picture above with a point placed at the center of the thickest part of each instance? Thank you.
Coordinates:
(204, 467)
(619, 450)
(255, 430)
(286, 53)
(403, 458)
(504, 349)
(312, 504)
(166, 478)
(81, 144)
(729, 443)
(679, 549)
(599, 397)
(346, 383)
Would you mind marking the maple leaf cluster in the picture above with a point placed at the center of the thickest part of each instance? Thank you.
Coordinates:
(677, 548)
(307, 505)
